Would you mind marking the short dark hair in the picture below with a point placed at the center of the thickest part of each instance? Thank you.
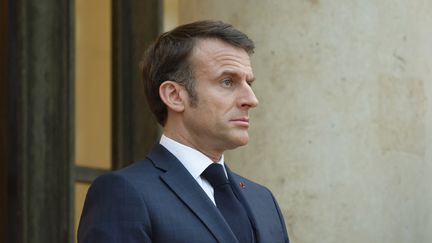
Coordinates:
(167, 58)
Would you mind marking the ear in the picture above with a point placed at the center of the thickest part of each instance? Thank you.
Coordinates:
(171, 94)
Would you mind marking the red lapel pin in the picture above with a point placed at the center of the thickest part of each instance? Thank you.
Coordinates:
(242, 185)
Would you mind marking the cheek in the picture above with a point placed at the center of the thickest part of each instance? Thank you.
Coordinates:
(219, 114)
(221, 106)
(214, 109)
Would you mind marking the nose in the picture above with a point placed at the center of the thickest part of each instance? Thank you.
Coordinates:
(248, 99)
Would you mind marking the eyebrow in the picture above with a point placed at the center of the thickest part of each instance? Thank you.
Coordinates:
(231, 73)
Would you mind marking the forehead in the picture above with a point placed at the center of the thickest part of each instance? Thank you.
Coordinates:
(209, 54)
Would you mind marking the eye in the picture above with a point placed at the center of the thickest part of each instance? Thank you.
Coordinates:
(227, 83)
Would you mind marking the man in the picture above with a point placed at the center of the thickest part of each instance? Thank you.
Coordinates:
(198, 81)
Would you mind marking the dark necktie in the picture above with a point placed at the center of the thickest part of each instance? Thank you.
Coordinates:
(228, 204)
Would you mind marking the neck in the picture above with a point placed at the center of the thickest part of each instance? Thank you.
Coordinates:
(178, 137)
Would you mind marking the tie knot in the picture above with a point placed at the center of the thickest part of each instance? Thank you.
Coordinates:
(215, 174)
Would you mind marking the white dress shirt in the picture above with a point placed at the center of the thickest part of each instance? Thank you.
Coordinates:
(194, 161)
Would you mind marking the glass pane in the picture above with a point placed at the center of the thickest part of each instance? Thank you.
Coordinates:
(80, 193)
(93, 83)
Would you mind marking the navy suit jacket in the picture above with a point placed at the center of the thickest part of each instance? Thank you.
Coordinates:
(157, 200)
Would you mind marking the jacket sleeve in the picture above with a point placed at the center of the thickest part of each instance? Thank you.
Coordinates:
(114, 212)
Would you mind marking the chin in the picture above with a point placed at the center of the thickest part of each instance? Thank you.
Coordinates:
(236, 139)
(240, 141)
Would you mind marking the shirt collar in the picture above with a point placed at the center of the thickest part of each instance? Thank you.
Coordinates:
(193, 160)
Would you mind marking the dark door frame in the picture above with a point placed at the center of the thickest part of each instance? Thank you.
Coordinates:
(37, 109)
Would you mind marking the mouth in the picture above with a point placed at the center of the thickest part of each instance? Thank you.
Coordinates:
(243, 121)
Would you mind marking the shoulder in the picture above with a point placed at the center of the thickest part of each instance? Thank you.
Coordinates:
(247, 183)
(127, 180)
(253, 190)
(258, 196)
(122, 189)
(113, 209)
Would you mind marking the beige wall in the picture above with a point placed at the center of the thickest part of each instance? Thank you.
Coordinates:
(92, 90)
(343, 133)
(93, 83)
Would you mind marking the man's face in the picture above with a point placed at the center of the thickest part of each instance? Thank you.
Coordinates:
(223, 77)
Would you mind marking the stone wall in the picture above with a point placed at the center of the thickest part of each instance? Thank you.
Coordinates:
(343, 132)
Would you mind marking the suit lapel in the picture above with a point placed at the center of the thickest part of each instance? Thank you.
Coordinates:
(179, 180)
(236, 186)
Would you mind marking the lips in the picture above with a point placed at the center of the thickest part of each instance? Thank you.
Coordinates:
(243, 121)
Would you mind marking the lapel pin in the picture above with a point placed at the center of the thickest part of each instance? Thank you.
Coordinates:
(242, 185)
